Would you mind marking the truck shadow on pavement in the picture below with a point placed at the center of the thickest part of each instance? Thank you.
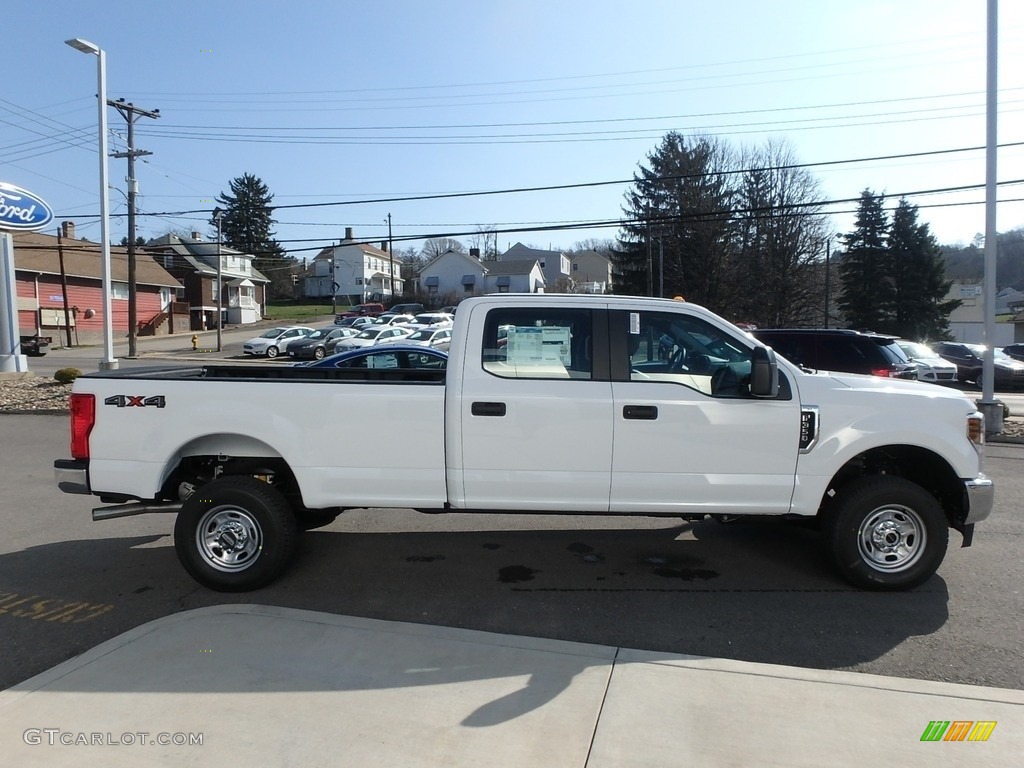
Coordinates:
(760, 591)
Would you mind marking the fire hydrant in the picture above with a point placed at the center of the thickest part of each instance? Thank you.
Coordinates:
(195, 341)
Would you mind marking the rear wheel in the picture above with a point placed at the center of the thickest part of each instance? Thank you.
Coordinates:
(886, 532)
(235, 533)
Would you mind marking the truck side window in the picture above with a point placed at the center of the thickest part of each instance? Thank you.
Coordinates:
(685, 350)
(538, 343)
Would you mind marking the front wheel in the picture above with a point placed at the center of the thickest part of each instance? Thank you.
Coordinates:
(272, 352)
(886, 533)
(319, 353)
(235, 533)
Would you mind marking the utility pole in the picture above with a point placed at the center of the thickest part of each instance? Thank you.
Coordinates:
(391, 260)
(128, 112)
(64, 286)
(218, 214)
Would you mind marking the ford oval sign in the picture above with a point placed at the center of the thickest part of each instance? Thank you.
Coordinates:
(20, 209)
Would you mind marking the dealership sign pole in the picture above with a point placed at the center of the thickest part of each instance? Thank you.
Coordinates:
(20, 210)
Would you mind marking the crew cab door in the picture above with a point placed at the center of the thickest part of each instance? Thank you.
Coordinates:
(535, 419)
(688, 437)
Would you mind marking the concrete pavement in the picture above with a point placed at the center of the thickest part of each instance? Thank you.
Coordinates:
(270, 686)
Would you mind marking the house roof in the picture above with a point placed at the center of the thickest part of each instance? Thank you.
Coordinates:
(515, 267)
(449, 254)
(37, 252)
(201, 255)
(369, 250)
(520, 251)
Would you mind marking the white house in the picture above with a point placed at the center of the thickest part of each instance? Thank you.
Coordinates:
(460, 274)
(358, 271)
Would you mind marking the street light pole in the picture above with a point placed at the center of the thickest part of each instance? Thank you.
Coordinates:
(109, 362)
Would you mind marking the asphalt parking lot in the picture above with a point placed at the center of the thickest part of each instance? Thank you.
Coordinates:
(756, 591)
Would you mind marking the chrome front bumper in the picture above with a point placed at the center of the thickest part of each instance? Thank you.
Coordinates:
(979, 495)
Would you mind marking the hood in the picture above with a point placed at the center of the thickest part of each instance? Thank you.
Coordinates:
(816, 385)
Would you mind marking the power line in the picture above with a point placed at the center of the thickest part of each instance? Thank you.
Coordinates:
(613, 182)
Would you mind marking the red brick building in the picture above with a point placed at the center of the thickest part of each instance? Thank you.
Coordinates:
(37, 273)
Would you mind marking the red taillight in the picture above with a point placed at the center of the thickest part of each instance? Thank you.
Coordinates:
(83, 416)
(885, 373)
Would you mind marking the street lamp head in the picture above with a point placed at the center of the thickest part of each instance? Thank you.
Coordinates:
(83, 45)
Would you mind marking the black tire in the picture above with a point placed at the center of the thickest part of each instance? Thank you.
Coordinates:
(886, 533)
(319, 353)
(235, 533)
(272, 352)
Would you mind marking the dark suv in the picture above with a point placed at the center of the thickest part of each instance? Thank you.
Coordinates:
(828, 349)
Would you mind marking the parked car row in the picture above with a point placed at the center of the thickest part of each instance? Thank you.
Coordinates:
(944, 362)
(301, 342)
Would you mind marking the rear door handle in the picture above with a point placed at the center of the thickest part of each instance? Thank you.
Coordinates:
(488, 409)
(641, 412)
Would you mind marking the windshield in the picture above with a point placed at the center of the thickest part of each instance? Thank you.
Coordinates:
(273, 333)
(893, 352)
(370, 333)
(921, 351)
(421, 336)
(315, 335)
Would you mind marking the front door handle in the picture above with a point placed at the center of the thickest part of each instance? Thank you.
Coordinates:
(641, 412)
(488, 409)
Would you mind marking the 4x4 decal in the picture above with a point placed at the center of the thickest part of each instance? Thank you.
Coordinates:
(136, 401)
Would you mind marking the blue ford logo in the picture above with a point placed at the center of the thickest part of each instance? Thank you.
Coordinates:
(20, 209)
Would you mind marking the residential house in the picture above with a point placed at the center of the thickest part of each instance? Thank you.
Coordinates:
(358, 271)
(554, 264)
(591, 273)
(37, 273)
(456, 275)
(194, 262)
(1010, 299)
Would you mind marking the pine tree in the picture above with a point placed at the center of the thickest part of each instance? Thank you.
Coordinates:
(919, 280)
(246, 226)
(868, 294)
(679, 210)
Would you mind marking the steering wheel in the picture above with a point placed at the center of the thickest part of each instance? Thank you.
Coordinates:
(678, 361)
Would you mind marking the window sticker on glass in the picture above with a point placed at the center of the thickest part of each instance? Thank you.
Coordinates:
(538, 346)
(634, 323)
(382, 361)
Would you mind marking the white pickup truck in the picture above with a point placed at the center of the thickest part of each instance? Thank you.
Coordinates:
(589, 405)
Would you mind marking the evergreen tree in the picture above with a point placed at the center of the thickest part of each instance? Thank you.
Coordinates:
(246, 226)
(919, 280)
(868, 294)
(679, 212)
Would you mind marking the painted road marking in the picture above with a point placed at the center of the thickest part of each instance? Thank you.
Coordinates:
(50, 609)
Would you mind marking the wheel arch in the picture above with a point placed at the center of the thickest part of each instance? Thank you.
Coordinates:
(212, 455)
(919, 465)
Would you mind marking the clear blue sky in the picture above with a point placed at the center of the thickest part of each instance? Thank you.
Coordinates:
(334, 102)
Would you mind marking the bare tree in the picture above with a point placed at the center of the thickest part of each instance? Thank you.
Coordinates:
(782, 233)
(486, 241)
(435, 246)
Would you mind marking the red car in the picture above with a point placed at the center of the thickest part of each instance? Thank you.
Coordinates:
(363, 310)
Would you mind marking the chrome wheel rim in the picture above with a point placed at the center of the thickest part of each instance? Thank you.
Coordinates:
(228, 538)
(892, 538)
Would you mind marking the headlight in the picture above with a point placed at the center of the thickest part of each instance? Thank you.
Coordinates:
(976, 428)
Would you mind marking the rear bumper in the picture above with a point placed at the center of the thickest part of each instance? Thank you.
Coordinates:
(72, 475)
